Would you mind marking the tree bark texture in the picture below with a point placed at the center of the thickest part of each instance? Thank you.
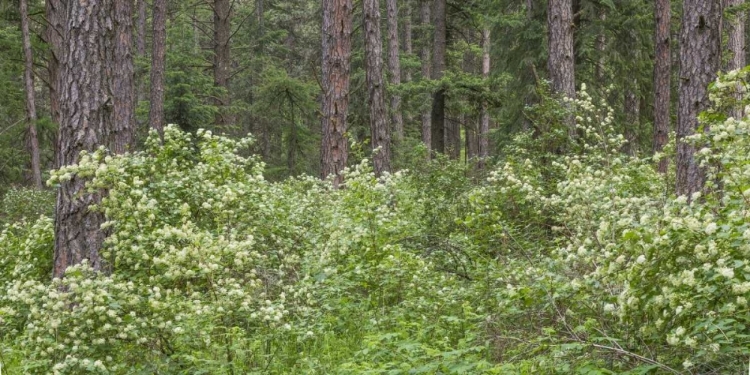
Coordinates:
(438, 68)
(86, 117)
(222, 58)
(394, 66)
(28, 78)
(736, 46)
(561, 63)
(337, 49)
(379, 129)
(662, 76)
(158, 66)
(700, 39)
(484, 123)
(123, 85)
(425, 56)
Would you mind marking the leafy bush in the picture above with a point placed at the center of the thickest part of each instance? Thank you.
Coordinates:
(575, 262)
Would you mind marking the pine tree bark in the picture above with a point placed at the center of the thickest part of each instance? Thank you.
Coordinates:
(28, 78)
(380, 135)
(484, 123)
(158, 66)
(662, 77)
(437, 121)
(337, 48)
(394, 66)
(86, 119)
(561, 63)
(425, 56)
(222, 58)
(736, 46)
(700, 39)
(123, 85)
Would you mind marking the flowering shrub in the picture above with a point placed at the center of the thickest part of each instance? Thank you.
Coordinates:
(558, 262)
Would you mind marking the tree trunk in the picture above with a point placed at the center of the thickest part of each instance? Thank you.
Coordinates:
(700, 39)
(28, 78)
(158, 65)
(379, 129)
(484, 123)
(561, 62)
(438, 68)
(123, 88)
(141, 29)
(736, 46)
(337, 48)
(472, 139)
(426, 24)
(86, 118)
(662, 76)
(222, 58)
(394, 66)
(408, 45)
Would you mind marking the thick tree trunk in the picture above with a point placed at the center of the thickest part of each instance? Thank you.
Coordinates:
(86, 118)
(438, 68)
(28, 78)
(394, 66)
(632, 119)
(337, 48)
(222, 58)
(561, 64)
(123, 88)
(700, 39)
(158, 65)
(379, 129)
(662, 76)
(736, 46)
(484, 123)
(425, 56)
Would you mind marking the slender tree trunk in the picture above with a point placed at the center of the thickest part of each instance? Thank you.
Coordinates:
(736, 46)
(379, 129)
(394, 66)
(700, 39)
(408, 45)
(425, 56)
(28, 78)
(158, 66)
(123, 88)
(662, 76)
(561, 62)
(337, 48)
(86, 118)
(438, 68)
(484, 123)
(140, 40)
(472, 138)
(222, 58)
(632, 118)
